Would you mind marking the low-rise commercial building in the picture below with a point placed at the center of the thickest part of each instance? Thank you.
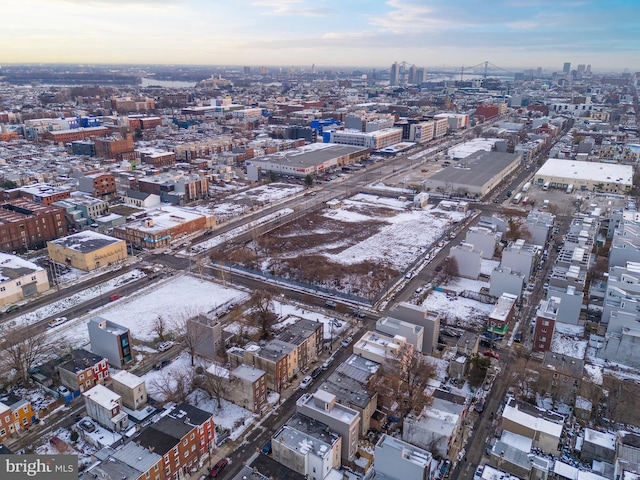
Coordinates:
(87, 250)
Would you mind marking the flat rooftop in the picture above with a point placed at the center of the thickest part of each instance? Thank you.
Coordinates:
(587, 171)
(86, 241)
(477, 169)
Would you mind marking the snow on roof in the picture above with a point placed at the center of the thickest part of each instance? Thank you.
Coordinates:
(588, 171)
(565, 470)
(594, 373)
(467, 148)
(603, 439)
(514, 414)
(103, 396)
(514, 440)
(127, 378)
(10, 263)
(86, 241)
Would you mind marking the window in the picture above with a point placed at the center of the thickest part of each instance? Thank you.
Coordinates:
(3, 432)
(25, 421)
(184, 442)
(82, 376)
(192, 436)
(555, 375)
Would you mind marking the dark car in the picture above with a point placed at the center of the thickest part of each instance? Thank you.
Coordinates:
(517, 337)
(218, 467)
(267, 448)
(316, 372)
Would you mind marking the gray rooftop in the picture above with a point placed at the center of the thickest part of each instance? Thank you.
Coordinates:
(86, 242)
(478, 168)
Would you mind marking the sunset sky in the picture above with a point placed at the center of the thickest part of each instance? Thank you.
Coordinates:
(359, 33)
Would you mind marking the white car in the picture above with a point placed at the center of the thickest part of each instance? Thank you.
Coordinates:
(306, 381)
(57, 321)
(164, 346)
(347, 341)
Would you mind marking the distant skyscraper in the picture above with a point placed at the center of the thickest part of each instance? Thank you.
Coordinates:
(588, 69)
(566, 68)
(413, 70)
(420, 76)
(394, 76)
(313, 69)
(246, 70)
(581, 70)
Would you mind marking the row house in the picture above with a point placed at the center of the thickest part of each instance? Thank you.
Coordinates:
(105, 407)
(41, 193)
(16, 414)
(308, 336)
(272, 360)
(184, 439)
(175, 187)
(625, 244)
(502, 315)
(245, 385)
(83, 371)
(131, 389)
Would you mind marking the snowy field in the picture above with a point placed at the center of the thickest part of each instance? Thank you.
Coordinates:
(459, 311)
(405, 236)
(175, 300)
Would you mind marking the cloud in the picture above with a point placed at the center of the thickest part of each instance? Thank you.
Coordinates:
(279, 8)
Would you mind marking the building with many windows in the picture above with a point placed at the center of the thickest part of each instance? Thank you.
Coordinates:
(376, 140)
(26, 225)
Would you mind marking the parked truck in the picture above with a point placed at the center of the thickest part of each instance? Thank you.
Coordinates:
(526, 186)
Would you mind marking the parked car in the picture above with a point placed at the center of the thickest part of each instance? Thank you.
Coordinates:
(336, 323)
(419, 290)
(63, 390)
(114, 297)
(57, 321)
(347, 341)
(218, 467)
(305, 382)
(164, 346)
(517, 337)
(87, 426)
(330, 304)
(267, 448)
(316, 371)
(491, 354)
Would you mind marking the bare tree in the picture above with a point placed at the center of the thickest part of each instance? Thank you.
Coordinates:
(174, 385)
(23, 349)
(449, 269)
(159, 325)
(214, 381)
(404, 379)
(261, 303)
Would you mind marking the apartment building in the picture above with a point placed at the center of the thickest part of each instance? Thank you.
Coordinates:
(308, 336)
(542, 426)
(271, 359)
(502, 315)
(100, 185)
(399, 460)
(546, 318)
(307, 446)
(26, 225)
(245, 386)
(375, 140)
(323, 407)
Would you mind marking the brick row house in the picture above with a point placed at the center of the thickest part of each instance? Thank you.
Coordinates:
(184, 439)
(84, 371)
(16, 414)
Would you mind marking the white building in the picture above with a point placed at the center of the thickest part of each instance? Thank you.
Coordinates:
(503, 280)
(520, 257)
(105, 407)
(378, 347)
(608, 177)
(398, 460)
(376, 140)
(484, 239)
(468, 259)
(412, 333)
(341, 419)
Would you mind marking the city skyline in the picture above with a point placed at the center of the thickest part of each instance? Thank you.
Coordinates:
(363, 33)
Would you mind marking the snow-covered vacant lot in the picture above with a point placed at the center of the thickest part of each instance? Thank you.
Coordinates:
(355, 246)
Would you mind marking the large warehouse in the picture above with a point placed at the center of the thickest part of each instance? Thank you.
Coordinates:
(606, 177)
(313, 159)
(475, 176)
